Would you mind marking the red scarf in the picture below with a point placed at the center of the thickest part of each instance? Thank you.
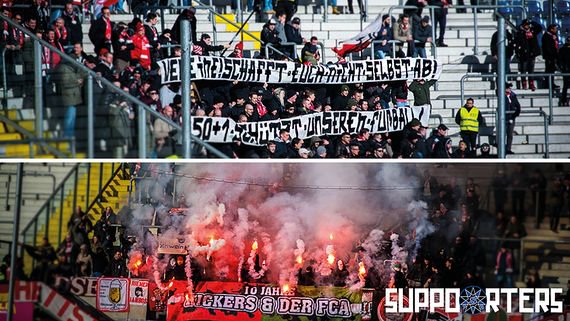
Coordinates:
(109, 29)
(18, 36)
(261, 109)
(61, 33)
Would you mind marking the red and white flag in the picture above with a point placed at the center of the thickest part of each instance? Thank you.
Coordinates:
(99, 4)
(361, 40)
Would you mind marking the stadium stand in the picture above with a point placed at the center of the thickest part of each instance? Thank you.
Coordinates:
(465, 54)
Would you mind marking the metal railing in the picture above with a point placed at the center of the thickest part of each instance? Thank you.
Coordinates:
(515, 76)
(108, 86)
(212, 15)
(32, 174)
(545, 125)
(47, 210)
(474, 12)
(42, 142)
(103, 188)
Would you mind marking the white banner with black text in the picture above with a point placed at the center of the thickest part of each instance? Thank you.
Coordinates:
(225, 130)
(285, 72)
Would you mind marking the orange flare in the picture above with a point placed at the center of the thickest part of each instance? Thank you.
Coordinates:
(254, 246)
(330, 259)
(211, 241)
(331, 236)
(138, 264)
(285, 288)
(170, 284)
(361, 268)
(299, 259)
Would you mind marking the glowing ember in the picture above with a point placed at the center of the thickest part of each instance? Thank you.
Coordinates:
(330, 259)
(285, 288)
(331, 236)
(299, 259)
(361, 268)
(254, 246)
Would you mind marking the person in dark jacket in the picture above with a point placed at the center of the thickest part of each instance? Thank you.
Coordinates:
(101, 31)
(152, 35)
(205, 46)
(550, 47)
(190, 15)
(513, 110)
(118, 266)
(420, 89)
(440, 18)
(72, 24)
(527, 49)
(385, 34)
(293, 34)
(423, 34)
(269, 35)
(122, 46)
(510, 50)
(442, 148)
(415, 14)
(564, 64)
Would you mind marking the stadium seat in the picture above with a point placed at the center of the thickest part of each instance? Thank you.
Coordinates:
(563, 7)
(565, 25)
(505, 11)
(545, 5)
(534, 8)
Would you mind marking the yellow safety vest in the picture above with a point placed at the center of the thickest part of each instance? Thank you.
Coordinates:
(469, 120)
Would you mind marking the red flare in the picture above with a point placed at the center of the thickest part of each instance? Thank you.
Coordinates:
(254, 246)
(330, 259)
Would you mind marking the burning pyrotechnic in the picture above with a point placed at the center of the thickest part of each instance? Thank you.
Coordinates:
(270, 224)
(285, 288)
(361, 269)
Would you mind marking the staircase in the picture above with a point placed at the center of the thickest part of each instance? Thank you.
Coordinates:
(62, 209)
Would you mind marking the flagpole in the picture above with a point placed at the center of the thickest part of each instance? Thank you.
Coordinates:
(239, 31)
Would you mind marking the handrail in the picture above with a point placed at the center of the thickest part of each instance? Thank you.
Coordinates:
(474, 12)
(540, 113)
(533, 75)
(212, 11)
(109, 181)
(114, 89)
(34, 174)
(50, 198)
(36, 140)
(23, 131)
(5, 82)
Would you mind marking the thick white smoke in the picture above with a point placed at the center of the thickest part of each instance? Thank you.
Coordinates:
(291, 210)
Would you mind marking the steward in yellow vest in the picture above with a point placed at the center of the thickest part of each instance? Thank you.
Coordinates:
(468, 118)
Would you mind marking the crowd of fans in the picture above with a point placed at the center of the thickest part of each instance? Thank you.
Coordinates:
(126, 54)
(451, 256)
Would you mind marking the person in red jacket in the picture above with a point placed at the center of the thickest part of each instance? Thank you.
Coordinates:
(141, 52)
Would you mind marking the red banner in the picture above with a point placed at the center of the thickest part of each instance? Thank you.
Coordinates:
(233, 301)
